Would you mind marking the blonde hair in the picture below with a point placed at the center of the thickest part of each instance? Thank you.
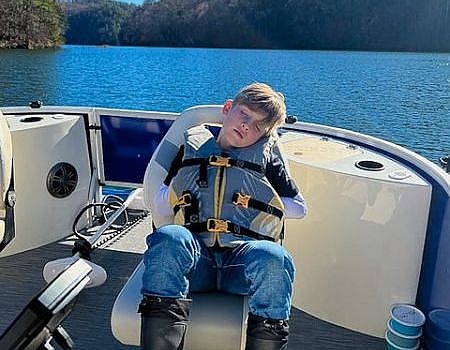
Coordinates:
(261, 98)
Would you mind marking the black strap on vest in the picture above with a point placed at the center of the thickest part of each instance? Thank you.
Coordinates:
(202, 180)
(246, 201)
(225, 161)
(189, 203)
(219, 161)
(224, 226)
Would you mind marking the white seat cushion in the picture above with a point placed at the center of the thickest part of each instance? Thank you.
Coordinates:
(217, 319)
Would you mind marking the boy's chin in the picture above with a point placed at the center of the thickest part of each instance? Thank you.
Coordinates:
(242, 144)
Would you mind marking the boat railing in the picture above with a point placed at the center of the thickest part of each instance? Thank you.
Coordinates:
(445, 163)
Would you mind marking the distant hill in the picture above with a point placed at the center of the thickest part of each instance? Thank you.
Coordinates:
(388, 25)
(31, 24)
(95, 22)
(391, 25)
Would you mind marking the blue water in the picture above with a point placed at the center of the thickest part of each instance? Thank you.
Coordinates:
(401, 97)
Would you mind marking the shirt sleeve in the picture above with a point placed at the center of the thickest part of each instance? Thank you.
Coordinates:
(161, 200)
(294, 208)
(294, 204)
(280, 179)
(161, 197)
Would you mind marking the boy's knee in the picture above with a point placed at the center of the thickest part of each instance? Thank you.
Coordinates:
(270, 250)
(272, 254)
(171, 235)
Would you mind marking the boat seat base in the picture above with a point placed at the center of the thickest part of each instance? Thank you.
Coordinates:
(218, 320)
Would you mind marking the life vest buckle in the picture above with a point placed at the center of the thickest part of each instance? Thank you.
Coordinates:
(217, 225)
(219, 161)
(241, 199)
(185, 200)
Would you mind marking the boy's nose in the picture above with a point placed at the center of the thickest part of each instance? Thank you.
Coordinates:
(244, 125)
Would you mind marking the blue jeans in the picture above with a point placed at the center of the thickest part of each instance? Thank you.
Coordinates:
(177, 262)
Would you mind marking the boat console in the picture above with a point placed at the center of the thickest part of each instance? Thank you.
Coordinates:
(367, 217)
(52, 175)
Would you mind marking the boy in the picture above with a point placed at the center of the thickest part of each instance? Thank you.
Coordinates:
(229, 195)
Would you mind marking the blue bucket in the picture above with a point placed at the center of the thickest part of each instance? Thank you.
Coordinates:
(437, 330)
(406, 319)
(433, 343)
(439, 324)
(390, 345)
(402, 340)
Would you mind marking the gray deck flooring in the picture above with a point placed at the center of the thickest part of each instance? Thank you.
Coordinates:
(89, 323)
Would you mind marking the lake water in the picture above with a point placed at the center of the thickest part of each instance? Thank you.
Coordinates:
(401, 97)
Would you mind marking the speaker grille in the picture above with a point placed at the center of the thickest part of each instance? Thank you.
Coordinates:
(62, 180)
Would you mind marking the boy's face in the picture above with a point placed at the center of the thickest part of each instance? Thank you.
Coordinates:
(242, 127)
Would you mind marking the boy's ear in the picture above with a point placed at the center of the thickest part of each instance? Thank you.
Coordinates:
(227, 106)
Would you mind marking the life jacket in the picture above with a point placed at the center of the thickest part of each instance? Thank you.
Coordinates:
(225, 197)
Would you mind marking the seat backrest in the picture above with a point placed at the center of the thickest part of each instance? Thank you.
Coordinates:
(164, 154)
(5, 169)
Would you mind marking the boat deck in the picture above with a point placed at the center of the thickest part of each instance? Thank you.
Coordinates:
(89, 323)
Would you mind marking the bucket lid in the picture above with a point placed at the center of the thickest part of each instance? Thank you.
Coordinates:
(439, 323)
(407, 315)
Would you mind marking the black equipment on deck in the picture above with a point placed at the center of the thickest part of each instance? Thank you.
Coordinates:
(39, 322)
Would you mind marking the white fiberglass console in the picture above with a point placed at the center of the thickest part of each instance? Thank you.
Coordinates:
(52, 174)
(359, 249)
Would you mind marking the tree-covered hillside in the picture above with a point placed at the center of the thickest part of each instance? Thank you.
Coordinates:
(411, 25)
(95, 22)
(31, 24)
(391, 25)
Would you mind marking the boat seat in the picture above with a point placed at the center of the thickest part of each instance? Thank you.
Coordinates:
(218, 320)
(5, 173)
(160, 162)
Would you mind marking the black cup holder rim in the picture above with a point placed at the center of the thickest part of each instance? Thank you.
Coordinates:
(369, 165)
(32, 119)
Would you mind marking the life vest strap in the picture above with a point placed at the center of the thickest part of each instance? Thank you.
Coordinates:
(218, 161)
(184, 201)
(190, 204)
(246, 201)
(202, 180)
(225, 226)
(224, 161)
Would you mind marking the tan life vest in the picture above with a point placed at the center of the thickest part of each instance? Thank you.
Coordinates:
(225, 197)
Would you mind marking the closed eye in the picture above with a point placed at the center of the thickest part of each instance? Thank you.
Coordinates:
(261, 126)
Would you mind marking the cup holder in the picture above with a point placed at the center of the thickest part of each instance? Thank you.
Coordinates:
(31, 119)
(369, 165)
